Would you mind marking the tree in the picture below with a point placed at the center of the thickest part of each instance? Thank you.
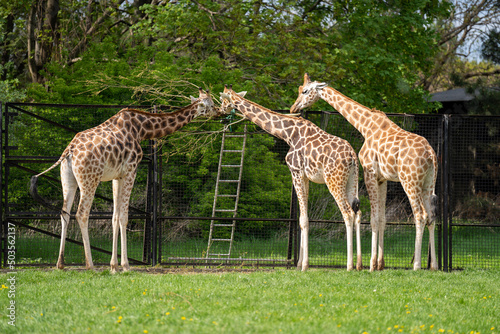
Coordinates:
(459, 36)
(491, 46)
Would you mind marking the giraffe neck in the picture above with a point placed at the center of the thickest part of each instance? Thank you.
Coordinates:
(146, 125)
(272, 122)
(365, 120)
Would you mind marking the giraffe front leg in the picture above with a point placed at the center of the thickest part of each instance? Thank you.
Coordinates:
(373, 258)
(301, 186)
(83, 222)
(301, 253)
(82, 216)
(382, 197)
(304, 242)
(123, 233)
(114, 256)
(128, 184)
(117, 191)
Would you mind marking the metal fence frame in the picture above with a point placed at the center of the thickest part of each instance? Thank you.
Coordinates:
(152, 248)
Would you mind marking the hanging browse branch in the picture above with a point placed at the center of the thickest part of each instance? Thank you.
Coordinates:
(151, 87)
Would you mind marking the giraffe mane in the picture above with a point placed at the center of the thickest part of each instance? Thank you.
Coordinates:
(158, 114)
(266, 109)
(374, 110)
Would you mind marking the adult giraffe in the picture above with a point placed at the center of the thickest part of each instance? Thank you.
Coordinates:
(388, 154)
(112, 151)
(314, 155)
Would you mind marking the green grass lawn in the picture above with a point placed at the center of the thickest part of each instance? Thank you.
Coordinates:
(264, 301)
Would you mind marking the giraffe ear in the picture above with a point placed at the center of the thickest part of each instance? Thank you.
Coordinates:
(319, 85)
(241, 94)
(193, 99)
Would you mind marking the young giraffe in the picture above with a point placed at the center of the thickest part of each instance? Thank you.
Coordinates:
(388, 154)
(112, 151)
(316, 156)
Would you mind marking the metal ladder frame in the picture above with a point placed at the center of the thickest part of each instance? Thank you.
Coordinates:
(213, 222)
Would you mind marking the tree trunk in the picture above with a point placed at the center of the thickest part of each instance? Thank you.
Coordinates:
(42, 35)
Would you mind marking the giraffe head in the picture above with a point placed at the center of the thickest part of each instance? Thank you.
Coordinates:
(227, 100)
(206, 106)
(309, 93)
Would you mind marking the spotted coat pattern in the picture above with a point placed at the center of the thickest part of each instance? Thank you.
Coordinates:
(316, 156)
(112, 151)
(389, 153)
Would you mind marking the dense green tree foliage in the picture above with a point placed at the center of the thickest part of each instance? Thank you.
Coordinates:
(144, 52)
(374, 51)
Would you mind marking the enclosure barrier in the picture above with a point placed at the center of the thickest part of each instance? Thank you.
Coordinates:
(171, 208)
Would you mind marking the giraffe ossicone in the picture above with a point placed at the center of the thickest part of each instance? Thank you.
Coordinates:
(389, 153)
(112, 151)
(316, 156)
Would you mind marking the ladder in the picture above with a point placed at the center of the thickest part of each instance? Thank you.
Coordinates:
(227, 192)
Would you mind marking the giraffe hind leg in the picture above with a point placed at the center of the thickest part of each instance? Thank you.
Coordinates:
(339, 193)
(69, 186)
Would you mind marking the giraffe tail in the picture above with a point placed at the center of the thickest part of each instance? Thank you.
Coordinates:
(434, 207)
(36, 196)
(355, 204)
(34, 188)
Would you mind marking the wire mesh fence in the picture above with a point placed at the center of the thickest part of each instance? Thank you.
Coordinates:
(171, 224)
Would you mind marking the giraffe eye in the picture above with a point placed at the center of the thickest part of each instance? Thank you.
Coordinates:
(305, 91)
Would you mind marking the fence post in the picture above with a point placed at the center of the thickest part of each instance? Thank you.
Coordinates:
(445, 193)
(146, 253)
(154, 204)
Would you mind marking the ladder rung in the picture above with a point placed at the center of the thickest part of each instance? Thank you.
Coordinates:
(218, 254)
(233, 151)
(225, 210)
(221, 239)
(227, 195)
(228, 181)
(235, 166)
(235, 136)
(224, 225)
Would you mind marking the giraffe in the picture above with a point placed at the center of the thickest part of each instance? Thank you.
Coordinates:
(389, 153)
(315, 156)
(112, 151)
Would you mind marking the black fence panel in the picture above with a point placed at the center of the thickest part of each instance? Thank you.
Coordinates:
(263, 217)
(34, 138)
(474, 173)
(173, 199)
